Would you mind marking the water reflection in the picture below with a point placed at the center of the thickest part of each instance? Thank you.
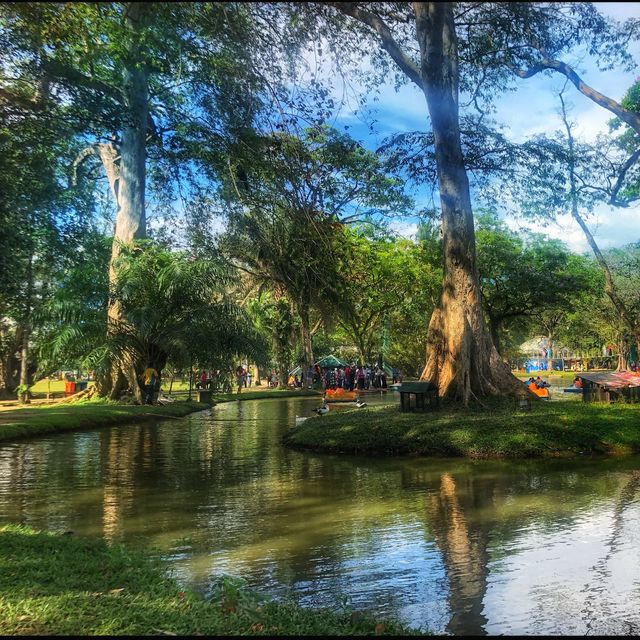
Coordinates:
(458, 546)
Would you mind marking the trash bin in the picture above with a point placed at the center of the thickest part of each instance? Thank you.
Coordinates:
(69, 388)
(81, 386)
(204, 395)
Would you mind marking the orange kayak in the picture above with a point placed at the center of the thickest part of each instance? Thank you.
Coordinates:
(541, 393)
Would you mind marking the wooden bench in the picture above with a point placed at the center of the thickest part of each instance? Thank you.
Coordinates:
(426, 396)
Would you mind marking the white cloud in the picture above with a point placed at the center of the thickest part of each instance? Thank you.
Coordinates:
(610, 228)
(404, 228)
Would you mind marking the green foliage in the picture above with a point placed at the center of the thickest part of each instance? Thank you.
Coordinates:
(177, 307)
(173, 306)
(387, 285)
(527, 275)
(289, 197)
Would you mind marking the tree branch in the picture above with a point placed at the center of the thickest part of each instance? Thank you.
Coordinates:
(633, 158)
(388, 42)
(632, 119)
(79, 159)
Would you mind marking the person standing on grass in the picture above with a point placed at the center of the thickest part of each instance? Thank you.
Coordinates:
(149, 378)
(360, 373)
(240, 373)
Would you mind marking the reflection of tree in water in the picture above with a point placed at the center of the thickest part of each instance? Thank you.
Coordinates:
(464, 552)
(602, 569)
(118, 489)
(472, 509)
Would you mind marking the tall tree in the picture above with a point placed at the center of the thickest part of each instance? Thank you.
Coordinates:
(461, 360)
(442, 48)
(135, 77)
(565, 175)
(290, 197)
(41, 222)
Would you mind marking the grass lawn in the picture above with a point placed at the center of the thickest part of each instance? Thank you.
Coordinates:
(499, 430)
(42, 387)
(251, 394)
(35, 420)
(55, 584)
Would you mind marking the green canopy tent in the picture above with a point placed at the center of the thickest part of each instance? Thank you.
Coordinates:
(328, 362)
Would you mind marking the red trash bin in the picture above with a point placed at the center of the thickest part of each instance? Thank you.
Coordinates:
(69, 388)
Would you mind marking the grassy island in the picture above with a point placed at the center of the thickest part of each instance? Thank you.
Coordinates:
(56, 584)
(495, 430)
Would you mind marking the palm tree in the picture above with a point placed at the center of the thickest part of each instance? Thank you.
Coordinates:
(173, 307)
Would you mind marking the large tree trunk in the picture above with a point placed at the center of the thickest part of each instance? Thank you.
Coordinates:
(127, 179)
(461, 359)
(494, 328)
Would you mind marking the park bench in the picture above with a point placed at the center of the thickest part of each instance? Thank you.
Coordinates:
(425, 396)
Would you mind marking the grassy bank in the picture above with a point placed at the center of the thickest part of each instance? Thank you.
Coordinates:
(56, 388)
(53, 584)
(36, 420)
(33, 420)
(266, 394)
(499, 430)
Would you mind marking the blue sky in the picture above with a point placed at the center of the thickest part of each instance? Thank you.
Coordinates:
(531, 109)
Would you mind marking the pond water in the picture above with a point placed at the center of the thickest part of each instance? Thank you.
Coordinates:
(454, 546)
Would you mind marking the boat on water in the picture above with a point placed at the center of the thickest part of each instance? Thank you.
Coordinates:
(340, 395)
(541, 392)
(573, 390)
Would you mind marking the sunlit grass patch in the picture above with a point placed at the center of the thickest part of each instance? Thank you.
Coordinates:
(33, 421)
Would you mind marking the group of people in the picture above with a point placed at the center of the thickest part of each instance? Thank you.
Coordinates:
(215, 380)
(243, 377)
(355, 376)
(538, 382)
(209, 379)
